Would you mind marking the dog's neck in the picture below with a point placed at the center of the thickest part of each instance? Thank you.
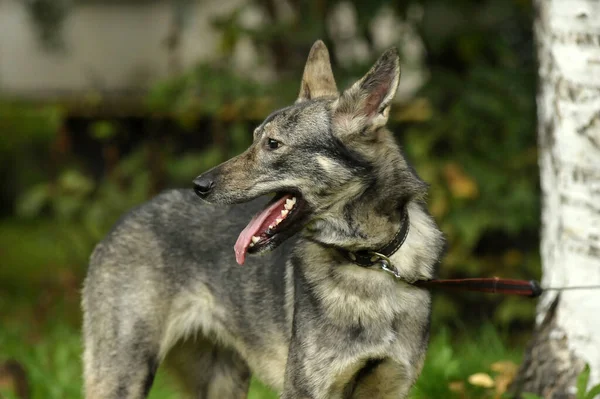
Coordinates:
(367, 216)
(370, 219)
(358, 225)
(414, 260)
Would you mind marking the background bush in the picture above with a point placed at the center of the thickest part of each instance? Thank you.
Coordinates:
(470, 131)
(70, 172)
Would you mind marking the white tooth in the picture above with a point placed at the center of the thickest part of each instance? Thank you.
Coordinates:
(255, 239)
(251, 245)
(289, 204)
(284, 213)
(294, 201)
(271, 226)
(278, 220)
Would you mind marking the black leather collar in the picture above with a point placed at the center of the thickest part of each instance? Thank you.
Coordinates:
(368, 258)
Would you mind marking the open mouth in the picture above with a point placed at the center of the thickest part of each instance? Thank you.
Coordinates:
(269, 225)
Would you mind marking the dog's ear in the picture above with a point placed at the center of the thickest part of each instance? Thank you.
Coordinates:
(365, 106)
(317, 80)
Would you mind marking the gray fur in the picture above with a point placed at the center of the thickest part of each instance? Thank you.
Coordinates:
(299, 317)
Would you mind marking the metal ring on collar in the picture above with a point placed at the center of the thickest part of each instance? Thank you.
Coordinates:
(385, 263)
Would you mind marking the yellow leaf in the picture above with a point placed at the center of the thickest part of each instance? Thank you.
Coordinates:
(460, 184)
(457, 386)
(512, 257)
(504, 367)
(506, 373)
(439, 206)
(502, 382)
(481, 380)
(419, 110)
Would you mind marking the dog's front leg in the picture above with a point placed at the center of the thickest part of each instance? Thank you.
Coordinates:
(309, 372)
(297, 384)
(319, 365)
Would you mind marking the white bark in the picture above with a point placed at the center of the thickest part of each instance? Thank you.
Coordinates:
(568, 36)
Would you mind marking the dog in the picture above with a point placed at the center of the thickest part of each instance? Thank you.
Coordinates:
(328, 309)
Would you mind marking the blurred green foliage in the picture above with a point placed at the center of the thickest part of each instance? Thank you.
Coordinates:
(470, 132)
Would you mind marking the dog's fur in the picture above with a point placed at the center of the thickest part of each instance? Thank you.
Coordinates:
(301, 318)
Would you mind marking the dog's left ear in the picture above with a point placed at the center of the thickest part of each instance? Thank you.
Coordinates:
(365, 106)
(317, 80)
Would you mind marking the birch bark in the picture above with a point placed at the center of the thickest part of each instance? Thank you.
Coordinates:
(568, 329)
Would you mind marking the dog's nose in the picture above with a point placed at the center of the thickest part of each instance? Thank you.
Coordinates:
(203, 186)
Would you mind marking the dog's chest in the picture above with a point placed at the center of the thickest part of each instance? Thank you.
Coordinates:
(368, 296)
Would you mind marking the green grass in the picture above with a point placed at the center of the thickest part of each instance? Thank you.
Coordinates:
(454, 360)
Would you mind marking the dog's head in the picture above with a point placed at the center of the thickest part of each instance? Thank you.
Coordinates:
(313, 155)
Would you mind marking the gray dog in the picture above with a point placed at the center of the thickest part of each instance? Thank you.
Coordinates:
(327, 312)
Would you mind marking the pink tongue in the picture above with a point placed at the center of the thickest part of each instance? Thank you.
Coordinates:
(257, 226)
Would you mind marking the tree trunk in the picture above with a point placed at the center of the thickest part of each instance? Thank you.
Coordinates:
(568, 331)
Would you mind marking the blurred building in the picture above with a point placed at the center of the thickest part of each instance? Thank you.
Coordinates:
(119, 48)
(109, 47)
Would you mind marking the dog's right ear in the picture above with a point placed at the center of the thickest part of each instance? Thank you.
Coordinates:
(365, 106)
(317, 80)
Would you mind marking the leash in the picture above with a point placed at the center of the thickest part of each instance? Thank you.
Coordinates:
(492, 285)
(495, 285)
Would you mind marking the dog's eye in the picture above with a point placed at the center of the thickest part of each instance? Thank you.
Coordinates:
(273, 144)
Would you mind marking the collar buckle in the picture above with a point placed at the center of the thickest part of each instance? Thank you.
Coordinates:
(368, 259)
(384, 263)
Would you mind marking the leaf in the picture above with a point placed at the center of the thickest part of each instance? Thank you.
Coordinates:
(593, 393)
(419, 110)
(30, 204)
(13, 376)
(457, 386)
(529, 395)
(513, 309)
(506, 373)
(481, 380)
(103, 130)
(513, 257)
(582, 382)
(133, 163)
(66, 206)
(504, 367)
(74, 181)
(460, 184)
